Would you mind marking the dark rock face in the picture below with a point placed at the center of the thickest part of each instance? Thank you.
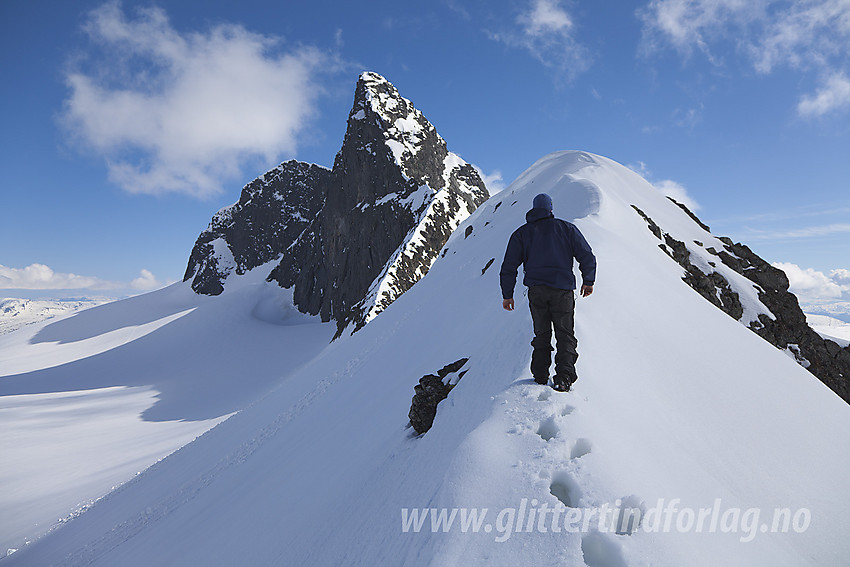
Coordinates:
(787, 331)
(351, 239)
(272, 213)
(688, 212)
(431, 390)
(713, 286)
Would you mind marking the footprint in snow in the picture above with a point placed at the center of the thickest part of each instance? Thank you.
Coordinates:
(565, 489)
(580, 448)
(600, 550)
(548, 428)
(630, 512)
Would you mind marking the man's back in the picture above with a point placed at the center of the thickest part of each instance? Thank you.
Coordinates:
(546, 246)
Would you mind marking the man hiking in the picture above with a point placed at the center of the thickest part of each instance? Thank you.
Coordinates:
(546, 246)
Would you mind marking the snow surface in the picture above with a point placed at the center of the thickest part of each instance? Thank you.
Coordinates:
(63, 450)
(675, 400)
(22, 352)
(89, 401)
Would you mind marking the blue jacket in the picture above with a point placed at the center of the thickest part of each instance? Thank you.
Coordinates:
(546, 246)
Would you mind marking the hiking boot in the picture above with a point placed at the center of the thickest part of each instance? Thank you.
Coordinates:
(561, 386)
(541, 380)
(569, 379)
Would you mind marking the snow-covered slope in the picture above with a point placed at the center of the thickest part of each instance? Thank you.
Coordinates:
(88, 401)
(677, 404)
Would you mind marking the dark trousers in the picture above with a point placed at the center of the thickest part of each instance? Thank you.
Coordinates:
(551, 307)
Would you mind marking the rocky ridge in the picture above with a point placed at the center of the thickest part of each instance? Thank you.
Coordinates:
(781, 322)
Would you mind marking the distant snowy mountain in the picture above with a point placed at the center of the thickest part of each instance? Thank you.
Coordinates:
(835, 309)
(16, 313)
(830, 328)
(729, 451)
(351, 239)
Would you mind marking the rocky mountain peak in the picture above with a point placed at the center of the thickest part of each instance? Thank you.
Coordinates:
(381, 113)
(350, 239)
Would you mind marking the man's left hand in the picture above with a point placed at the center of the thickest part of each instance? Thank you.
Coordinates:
(586, 290)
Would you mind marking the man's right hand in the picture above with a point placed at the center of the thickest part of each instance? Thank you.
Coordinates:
(508, 304)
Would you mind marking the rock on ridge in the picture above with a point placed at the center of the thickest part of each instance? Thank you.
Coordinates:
(353, 238)
(430, 391)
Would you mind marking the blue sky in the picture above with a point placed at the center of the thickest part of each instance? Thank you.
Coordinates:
(127, 125)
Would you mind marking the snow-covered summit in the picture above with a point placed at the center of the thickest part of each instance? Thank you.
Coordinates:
(680, 411)
(351, 239)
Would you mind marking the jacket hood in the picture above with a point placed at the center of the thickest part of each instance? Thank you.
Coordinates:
(537, 214)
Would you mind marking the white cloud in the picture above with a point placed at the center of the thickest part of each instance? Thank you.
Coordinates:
(146, 281)
(688, 119)
(182, 112)
(799, 211)
(493, 181)
(546, 17)
(811, 285)
(678, 192)
(547, 32)
(841, 277)
(803, 35)
(807, 232)
(39, 276)
(835, 94)
(640, 168)
(689, 24)
(458, 8)
(667, 187)
(769, 32)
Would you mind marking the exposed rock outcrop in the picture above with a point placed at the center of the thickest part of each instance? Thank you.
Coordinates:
(431, 390)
